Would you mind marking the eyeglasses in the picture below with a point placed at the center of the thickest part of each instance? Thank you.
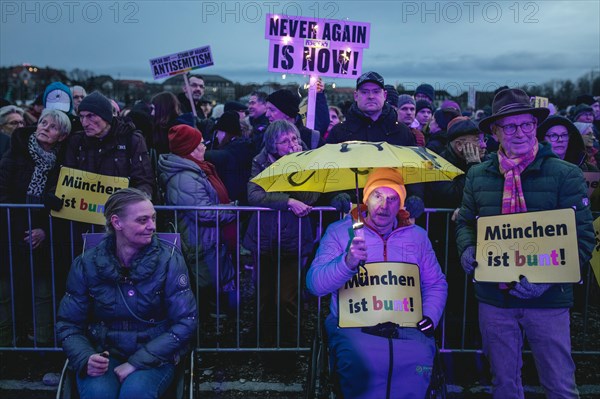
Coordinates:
(15, 123)
(511, 128)
(294, 140)
(557, 137)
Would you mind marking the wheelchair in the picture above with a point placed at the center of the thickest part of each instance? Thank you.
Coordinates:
(183, 380)
(322, 382)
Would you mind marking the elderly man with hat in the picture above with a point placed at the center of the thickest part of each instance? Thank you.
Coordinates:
(524, 176)
(109, 145)
(374, 361)
(370, 118)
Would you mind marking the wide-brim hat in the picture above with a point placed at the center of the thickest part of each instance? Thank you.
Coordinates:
(510, 102)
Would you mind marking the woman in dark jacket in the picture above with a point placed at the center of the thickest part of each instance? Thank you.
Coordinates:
(129, 313)
(166, 111)
(27, 170)
(566, 141)
(281, 138)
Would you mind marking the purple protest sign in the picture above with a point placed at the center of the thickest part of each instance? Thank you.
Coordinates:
(182, 62)
(312, 46)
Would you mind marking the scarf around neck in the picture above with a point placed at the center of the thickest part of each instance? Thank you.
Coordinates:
(513, 200)
(213, 178)
(43, 162)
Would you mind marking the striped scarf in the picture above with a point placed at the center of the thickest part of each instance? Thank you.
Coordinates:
(513, 200)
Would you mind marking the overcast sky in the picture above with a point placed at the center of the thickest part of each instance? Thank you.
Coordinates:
(449, 44)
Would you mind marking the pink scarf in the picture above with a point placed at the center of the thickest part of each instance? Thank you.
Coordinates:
(513, 200)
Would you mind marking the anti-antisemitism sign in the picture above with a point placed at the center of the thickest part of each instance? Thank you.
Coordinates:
(313, 46)
(84, 194)
(389, 291)
(182, 62)
(539, 245)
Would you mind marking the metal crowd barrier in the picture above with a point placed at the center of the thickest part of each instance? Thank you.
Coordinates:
(235, 324)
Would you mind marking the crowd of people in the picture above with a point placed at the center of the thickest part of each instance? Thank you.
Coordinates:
(180, 149)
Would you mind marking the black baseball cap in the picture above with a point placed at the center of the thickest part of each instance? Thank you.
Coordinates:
(372, 77)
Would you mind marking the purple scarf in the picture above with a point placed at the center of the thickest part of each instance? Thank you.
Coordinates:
(513, 200)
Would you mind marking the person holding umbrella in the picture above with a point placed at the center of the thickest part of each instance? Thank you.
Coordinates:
(373, 361)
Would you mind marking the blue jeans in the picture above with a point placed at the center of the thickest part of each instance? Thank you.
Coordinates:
(140, 384)
(548, 334)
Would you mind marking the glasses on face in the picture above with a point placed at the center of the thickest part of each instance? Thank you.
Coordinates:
(557, 137)
(293, 140)
(511, 128)
(196, 86)
(91, 117)
(16, 123)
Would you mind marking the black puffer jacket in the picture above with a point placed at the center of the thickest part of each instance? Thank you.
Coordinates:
(122, 152)
(93, 317)
(359, 126)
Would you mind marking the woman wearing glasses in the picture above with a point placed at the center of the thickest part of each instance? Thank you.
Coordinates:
(281, 138)
(27, 171)
(11, 117)
(566, 141)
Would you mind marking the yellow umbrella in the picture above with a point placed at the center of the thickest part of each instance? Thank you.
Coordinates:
(343, 166)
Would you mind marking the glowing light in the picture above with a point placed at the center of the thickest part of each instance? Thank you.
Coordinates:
(333, 85)
(283, 76)
(286, 39)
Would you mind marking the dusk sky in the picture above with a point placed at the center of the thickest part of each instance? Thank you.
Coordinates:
(449, 44)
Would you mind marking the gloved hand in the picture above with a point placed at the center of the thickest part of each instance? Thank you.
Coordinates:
(415, 206)
(526, 290)
(426, 326)
(341, 202)
(52, 202)
(467, 260)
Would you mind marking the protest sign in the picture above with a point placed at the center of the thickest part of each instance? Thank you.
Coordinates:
(539, 245)
(84, 194)
(595, 262)
(389, 291)
(182, 62)
(539, 102)
(592, 179)
(313, 46)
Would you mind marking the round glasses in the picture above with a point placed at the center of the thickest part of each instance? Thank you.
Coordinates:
(557, 137)
(511, 128)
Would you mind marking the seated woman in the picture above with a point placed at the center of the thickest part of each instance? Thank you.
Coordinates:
(129, 313)
(281, 138)
(27, 172)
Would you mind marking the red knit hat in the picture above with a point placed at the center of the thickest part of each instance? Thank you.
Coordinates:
(183, 139)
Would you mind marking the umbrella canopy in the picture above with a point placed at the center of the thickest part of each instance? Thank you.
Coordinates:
(343, 166)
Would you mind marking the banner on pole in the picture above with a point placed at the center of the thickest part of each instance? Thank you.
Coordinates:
(182, 62)
(313, 46)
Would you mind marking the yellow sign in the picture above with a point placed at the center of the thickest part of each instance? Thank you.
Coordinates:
(592, 179)
(540, 102)
(84, 194)
(596, 252)
(389, 291)
(539, 245)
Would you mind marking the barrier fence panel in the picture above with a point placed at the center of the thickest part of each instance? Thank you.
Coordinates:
(250, 299)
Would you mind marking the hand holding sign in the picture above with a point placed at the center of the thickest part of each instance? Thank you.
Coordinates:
(525, 290)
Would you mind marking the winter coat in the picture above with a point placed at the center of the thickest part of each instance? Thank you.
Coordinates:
(548, 183)
(93, 316)
(16, 170)
(329, 271)
(359, 126)
(185, 184)
(290, 223)
(437, 142)
(122, 152)
(233, 162)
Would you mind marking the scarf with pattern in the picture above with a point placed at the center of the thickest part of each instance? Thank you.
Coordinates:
(43, 162)
(513, 200)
